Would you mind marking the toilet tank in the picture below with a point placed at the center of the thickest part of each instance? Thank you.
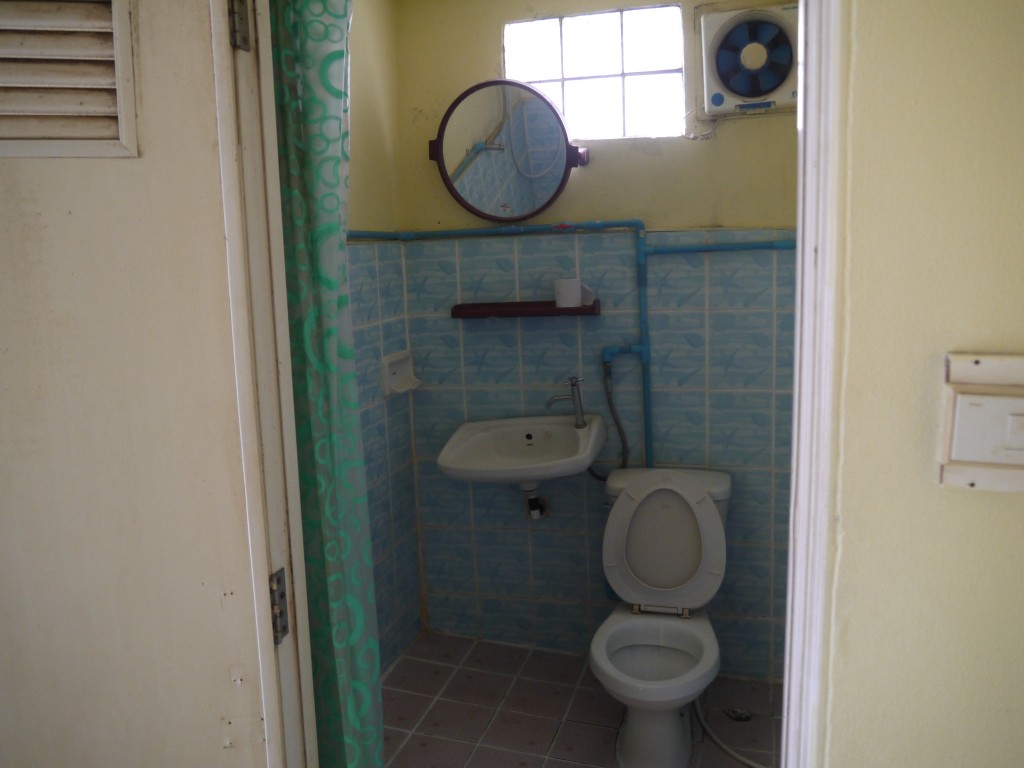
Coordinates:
(717, 484)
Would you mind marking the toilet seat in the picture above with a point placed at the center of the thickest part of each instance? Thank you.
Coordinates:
(664, 544)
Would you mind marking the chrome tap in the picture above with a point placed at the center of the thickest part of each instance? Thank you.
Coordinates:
(575, 395)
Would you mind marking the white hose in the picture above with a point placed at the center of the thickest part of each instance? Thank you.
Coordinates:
(714, 737)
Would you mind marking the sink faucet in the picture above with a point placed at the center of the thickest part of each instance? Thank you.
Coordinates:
(573, 383)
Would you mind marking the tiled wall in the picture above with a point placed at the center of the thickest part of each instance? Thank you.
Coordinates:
(721, 331)
(377, 280)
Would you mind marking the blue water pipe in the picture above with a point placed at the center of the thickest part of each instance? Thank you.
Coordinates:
(643, 253)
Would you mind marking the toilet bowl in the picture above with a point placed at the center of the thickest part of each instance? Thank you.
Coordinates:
(664, 554)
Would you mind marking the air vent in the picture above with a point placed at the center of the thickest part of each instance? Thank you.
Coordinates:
(66, 85)
(750, 60)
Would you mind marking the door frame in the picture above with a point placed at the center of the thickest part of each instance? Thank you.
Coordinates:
(256, 285)
(809, 602)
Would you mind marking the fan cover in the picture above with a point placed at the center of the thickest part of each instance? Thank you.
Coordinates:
(753, 58)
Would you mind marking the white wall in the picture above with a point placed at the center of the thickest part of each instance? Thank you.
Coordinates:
(125, 592)
(926, 663)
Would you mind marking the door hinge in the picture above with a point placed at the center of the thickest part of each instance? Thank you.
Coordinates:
(238, 15)
(279, 604)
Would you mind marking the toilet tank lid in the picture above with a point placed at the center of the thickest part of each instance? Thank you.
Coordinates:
(717, 484)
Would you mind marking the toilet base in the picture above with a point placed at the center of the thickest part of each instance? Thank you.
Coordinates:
(655, 739)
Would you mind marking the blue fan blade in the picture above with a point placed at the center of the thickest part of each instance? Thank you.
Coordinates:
(783, 55)
(728, 62)
(769, 81)
(766, 31)
(738, 36)
(742, 83)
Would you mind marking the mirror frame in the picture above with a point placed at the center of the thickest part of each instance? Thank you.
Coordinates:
(574, 156)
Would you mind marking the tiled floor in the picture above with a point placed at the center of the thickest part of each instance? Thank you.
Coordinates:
(453, 702)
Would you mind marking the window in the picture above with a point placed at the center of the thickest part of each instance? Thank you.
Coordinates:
(66, 83)
(613, 75)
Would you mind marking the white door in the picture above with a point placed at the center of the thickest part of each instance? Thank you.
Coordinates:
(256, 161)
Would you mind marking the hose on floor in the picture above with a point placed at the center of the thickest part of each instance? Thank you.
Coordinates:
(721, 745)
(607, 366)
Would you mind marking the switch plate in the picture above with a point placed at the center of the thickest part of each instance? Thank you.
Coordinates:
(984, 429)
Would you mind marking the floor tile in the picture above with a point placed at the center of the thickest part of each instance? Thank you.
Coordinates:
(536, 697)
(447, 649)
(429, 752)
(583, 743)
(757, 733)
(475, 687)
(456, 720)
(521, 732)
(418, 676)
(496, 657)
(595, 708)
(740, 694)
(489, 757)
(392, 741)
(554, 667)
(403, 709)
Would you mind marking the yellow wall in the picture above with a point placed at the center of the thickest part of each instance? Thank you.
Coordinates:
(125, 585)
(374, 170)
(744, 177)
(927, 657)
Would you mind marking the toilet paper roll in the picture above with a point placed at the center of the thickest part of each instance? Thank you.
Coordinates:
(568, 292)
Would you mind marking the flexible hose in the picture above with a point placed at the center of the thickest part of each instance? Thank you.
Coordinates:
(615, 420)
(721, 745)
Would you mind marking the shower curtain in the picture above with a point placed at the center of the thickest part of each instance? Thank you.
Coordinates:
(311, 73)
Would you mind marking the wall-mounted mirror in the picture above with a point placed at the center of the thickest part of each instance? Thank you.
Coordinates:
(503, 151)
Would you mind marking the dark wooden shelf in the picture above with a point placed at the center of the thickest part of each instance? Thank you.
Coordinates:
(521, 309)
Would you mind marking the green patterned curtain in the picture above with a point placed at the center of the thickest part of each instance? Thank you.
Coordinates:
(311, 76)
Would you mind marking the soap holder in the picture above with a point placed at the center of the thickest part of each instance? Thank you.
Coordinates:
(397, 375)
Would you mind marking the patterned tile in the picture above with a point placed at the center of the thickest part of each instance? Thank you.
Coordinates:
(473, 686)
(438, 413)
(542, 259)
(363, 283)
(680, 427)
(443, 500)
(421, 750)
(677, 281)
(416, 676)
(747, 587)
(678, 347)
(456, 720)
(487, 269)
(551, 350)
(750, 507)
(454, 613)
(491, 355)
(436, 350)
(391, 273)
(608, 265)
(431, 277)
(741, 280)
(521, 732)
(584, 743)
(559, 565)
(448, 560)
(507, 620)
(740, 429)
(741, 350)
(503, 564)
(493, 403)
(745, 645)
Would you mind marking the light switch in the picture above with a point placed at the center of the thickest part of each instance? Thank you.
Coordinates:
(988, 429)
(1015, 432)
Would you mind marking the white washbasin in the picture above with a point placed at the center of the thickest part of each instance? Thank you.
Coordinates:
(522, 450)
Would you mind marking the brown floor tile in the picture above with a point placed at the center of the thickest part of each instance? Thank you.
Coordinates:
(521, 733)
(418, 676)
(488, 757)
(582, 743)
(475, 687)
(392, 741)
(456, 720)
(757, 733)
(428, 752)
(403, 709)
(496, 657)
(595, 707)
(536, 697)
(743, 694)
(553, 667)
(447, 649)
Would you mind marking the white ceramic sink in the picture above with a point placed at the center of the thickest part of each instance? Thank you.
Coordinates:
(523, 450)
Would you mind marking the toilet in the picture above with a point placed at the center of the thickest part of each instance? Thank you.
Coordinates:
(664, 555)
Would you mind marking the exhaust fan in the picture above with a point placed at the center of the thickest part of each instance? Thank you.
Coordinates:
(750, 60)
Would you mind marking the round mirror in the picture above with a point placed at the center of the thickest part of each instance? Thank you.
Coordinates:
(503, 151)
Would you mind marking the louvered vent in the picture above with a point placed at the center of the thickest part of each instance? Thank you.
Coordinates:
(65, 78)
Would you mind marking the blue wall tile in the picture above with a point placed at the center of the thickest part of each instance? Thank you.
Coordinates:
(503, 563)
(741, 350)
(678, 348)
(741, 280)
(740, 429)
